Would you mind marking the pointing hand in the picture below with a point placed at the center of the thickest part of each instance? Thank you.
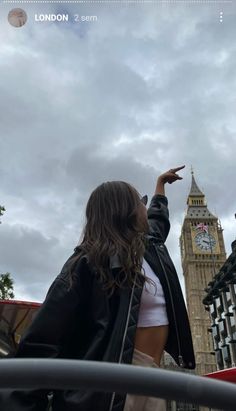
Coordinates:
(170, 176)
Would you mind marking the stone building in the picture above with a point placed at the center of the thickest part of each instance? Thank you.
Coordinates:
(220, 302)
(202, 255)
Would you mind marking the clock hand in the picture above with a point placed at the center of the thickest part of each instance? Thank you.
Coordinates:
(204, 241)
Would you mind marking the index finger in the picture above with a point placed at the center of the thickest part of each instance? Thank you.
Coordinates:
(177, 168)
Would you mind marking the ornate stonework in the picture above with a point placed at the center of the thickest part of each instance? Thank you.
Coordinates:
(202, 254)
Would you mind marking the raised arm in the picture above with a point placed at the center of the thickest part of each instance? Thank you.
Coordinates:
(167, 177)
(158, 213)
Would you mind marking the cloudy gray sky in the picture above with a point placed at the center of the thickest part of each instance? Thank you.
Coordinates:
(145, 88)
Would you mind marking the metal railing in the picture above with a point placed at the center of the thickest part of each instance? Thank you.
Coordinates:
(109, 377)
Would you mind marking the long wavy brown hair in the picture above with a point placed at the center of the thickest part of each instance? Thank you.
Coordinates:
(112, 229)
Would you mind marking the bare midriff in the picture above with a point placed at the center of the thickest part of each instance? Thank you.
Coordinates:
(152, 341)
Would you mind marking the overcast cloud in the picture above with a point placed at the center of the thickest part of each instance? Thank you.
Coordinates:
(143, 89)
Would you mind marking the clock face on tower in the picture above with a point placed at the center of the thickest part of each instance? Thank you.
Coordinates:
(205, 241)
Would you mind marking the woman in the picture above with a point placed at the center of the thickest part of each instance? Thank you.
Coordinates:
(117, 299)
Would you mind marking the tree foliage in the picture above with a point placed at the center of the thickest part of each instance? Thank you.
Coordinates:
(6, 287)
(2, 209)
(6, 282)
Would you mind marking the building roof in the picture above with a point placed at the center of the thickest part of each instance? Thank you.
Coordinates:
(195, 190)
(198, 211)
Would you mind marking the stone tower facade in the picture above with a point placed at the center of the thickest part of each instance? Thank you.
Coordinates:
(202, 255)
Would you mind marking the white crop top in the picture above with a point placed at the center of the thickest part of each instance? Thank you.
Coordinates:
(152, 306)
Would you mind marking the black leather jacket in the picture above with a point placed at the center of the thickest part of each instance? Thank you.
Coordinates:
(82, 323)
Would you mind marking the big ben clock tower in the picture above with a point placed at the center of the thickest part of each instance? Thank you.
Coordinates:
(202, 255)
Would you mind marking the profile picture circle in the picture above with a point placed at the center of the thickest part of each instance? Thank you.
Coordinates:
(17, 17)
